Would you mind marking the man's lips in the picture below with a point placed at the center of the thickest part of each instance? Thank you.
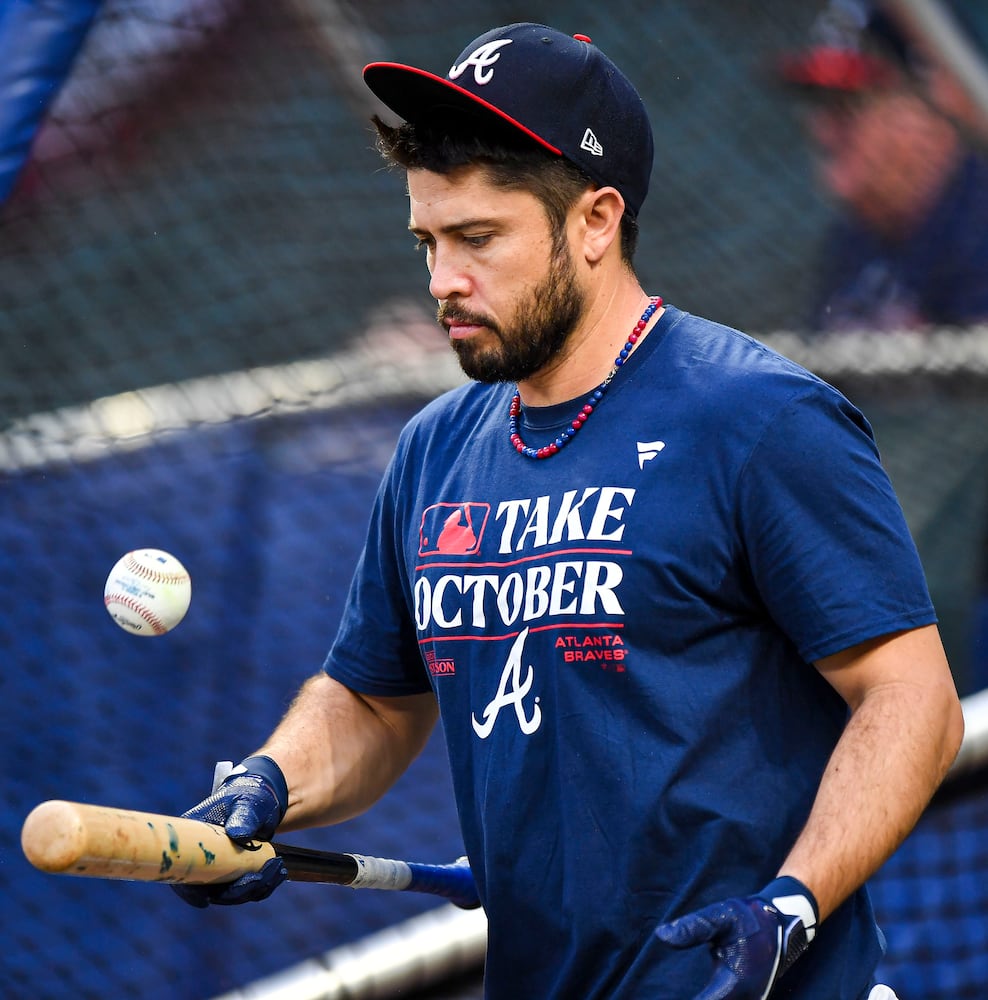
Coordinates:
(461, 327)
(458, 330)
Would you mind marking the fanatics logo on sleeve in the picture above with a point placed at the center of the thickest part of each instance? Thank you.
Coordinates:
(647, 450)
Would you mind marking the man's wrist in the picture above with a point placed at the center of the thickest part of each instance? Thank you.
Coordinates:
(791, 897)
(272, 774)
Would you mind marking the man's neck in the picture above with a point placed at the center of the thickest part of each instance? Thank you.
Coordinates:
(591, 349)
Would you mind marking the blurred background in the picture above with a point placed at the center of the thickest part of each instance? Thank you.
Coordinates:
(213, 325)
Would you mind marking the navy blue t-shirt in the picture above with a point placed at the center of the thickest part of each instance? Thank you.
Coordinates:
(620, 639)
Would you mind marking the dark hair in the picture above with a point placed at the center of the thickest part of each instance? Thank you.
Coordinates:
(511, 160)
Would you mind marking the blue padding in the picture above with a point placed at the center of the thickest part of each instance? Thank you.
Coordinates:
(39, 40)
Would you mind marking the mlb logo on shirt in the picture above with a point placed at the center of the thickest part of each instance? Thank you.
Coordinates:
(454, 529)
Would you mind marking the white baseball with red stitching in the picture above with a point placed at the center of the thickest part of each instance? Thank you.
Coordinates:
(147, 592)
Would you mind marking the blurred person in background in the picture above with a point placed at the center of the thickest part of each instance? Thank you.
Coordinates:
(902, 145)
(951, 95)
(945, 83)
(892, 131)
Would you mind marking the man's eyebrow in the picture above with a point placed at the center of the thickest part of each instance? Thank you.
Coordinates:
(456, 227)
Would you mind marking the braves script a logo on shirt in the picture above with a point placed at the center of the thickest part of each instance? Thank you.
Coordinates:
(511, 691)
(482, 59)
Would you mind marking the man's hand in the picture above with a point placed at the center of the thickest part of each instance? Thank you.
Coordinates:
(248, 803)
(753, 940)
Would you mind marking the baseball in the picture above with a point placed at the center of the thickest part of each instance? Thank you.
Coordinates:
(147, 592)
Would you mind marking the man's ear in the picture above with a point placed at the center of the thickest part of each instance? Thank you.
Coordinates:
(601, 212)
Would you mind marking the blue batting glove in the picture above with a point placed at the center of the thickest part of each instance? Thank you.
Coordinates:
(248, 803)
(753, 940)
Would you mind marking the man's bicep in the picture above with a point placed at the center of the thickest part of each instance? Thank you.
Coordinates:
(914, 657)
(410, 717)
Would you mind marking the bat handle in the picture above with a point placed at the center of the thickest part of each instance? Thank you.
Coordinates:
(454, 882)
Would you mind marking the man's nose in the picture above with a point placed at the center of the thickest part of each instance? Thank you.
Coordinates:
(448, 276)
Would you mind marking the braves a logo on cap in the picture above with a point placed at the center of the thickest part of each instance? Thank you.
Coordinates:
(454, 529)
(482, 59)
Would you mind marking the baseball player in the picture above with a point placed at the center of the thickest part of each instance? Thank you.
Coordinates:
(693, 690)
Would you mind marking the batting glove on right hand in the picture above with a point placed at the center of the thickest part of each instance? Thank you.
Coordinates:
(249, 803)
(753, 941)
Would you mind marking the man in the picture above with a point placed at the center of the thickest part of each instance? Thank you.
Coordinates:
(886, 120)
(660, 564)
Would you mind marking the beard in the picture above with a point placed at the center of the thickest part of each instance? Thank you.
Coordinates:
(533, 337)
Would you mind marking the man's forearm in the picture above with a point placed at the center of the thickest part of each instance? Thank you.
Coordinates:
(340, 751)
(894, 753)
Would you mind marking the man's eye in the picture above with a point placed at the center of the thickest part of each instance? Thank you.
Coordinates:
(477, 241)
(423, 243)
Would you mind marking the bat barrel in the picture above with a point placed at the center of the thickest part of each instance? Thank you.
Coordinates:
(72, 838)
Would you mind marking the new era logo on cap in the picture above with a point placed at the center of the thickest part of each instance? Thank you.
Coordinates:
(560, 90)
(591, 143)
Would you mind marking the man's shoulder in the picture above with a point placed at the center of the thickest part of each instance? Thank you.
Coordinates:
(468, 397)
(717, 353)
(716, 376)
(465, 406)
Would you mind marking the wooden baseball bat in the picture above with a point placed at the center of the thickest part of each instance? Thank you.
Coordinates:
(74, 838)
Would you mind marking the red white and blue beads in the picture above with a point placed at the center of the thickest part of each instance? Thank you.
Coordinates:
(547, 451)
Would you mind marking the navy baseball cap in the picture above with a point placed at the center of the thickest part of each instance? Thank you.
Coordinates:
(559, 90)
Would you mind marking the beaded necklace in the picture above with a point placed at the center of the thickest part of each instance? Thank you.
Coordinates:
(547, 451)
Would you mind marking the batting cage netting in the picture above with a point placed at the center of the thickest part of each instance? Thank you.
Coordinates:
(213, 326)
